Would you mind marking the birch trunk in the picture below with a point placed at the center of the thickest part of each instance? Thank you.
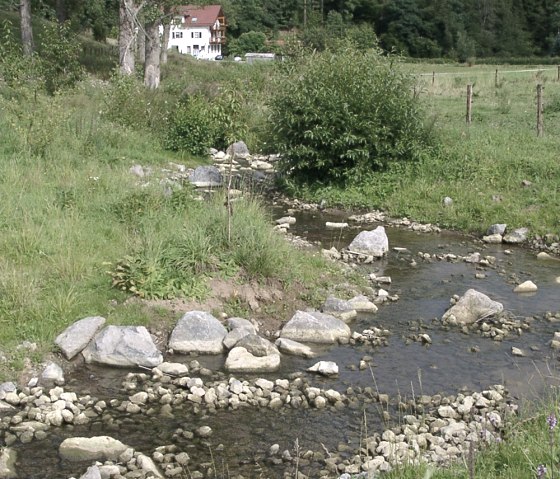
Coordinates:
(153, 52)
(128, 12)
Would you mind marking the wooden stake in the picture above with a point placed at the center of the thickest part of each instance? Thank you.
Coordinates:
(433, 77)
(558, 76)
(496, 79)
(469, 104)
(539, 110)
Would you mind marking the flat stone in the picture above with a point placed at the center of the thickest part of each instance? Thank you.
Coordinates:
(288, 346)
(97, 448)
(517, 352)
(125, 346)
(315, 327)
(241, 360)
(362, 304)
(335, 226)
(198, 332)
(174, 369)
(77, 336)
(492, 239)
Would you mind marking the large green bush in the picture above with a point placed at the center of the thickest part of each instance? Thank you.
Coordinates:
(341, 115)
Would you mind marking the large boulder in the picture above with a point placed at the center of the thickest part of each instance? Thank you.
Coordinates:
(339, 308)
(241, 360)
(77, 336)
(238, 150)
(373, 243)
(315, 327)
(198, 332)
(125, 346)
(206, 177)
(97, 448)
(472, 307)
(517, 236)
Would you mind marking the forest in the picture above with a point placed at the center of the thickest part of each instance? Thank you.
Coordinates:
(455, 29)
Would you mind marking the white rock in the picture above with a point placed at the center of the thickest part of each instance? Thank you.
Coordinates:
(526, 287)
(326, 368)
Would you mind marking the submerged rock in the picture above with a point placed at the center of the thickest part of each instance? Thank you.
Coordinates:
(526, 287)
(472, 307)
(124, 346)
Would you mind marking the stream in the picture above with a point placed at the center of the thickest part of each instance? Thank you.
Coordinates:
(452, 362)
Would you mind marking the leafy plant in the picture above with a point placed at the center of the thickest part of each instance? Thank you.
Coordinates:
(190, 127)
(60, 57)
(338, 116)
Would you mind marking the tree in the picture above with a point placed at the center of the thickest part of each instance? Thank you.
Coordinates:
(26, 29)
(128, 21)
(153, 54)
(248, 42)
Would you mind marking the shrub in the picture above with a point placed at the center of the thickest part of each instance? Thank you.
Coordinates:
(338, 116)
(191, 127)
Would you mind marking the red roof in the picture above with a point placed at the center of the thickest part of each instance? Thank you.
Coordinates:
(201, 16)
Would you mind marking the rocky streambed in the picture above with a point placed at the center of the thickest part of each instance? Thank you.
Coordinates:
(403, 377)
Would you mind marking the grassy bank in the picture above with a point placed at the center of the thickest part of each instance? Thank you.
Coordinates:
(482, 166)
(81, 234)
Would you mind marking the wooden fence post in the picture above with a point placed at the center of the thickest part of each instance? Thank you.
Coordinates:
(433, 77)
(558, 76)
(496, 79)
(539, 110)
(469, 104)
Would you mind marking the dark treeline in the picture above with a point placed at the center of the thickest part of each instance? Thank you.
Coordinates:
(458, 29)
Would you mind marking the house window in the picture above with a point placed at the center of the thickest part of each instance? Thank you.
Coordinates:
(196, 34)
(177, 34)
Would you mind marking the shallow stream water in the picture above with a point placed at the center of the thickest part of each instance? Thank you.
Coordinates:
(241, 438)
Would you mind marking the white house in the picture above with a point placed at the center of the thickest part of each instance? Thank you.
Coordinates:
(198, 31)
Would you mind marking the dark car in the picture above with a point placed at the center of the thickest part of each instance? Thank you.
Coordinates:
(218, 57)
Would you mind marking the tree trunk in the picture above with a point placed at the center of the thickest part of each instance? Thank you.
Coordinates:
(60, 11)
(153, 52)
(166, 32)
(165, 42)
(128, 12)
(26, 29)
(141, 41)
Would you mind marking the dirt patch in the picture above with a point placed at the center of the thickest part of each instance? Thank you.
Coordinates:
(270, 304)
